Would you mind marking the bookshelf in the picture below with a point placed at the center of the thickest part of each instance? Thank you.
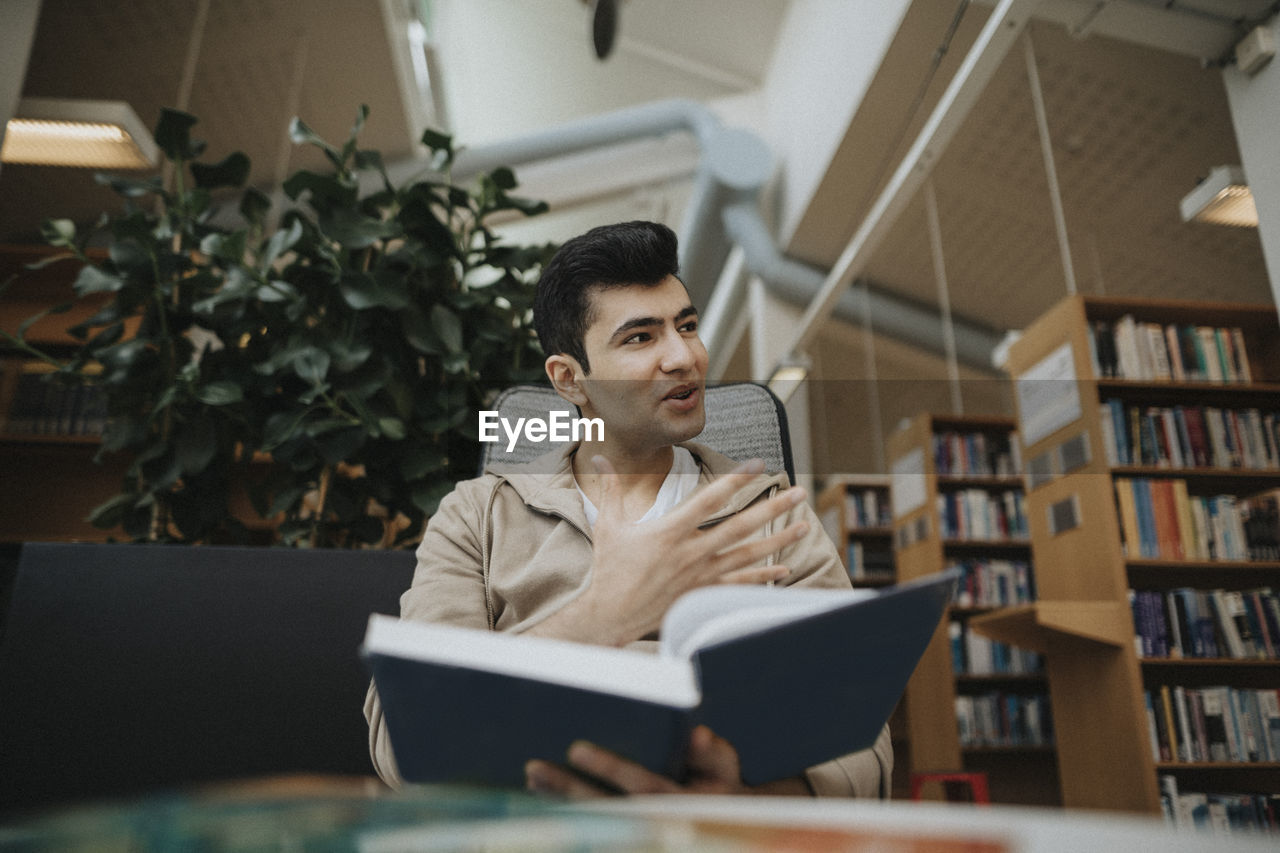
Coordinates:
(972, 705)
(1134, 500)
(48, 439)
(855, 512)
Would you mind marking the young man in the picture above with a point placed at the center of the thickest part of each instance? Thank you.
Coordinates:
(593, 542)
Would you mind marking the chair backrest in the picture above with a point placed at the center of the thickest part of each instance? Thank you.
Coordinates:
(132, 668)
(744, 421)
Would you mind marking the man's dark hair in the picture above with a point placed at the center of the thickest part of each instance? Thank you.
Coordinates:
(626, 253)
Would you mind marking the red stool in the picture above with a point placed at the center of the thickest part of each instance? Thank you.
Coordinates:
(951, 785)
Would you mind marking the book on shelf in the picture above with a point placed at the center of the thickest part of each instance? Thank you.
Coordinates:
(466, 705)
(974, 654)
(1207, 623)
(1216, 723)
(975, 454)
(870, 559)
(1127, 348)
(988, 582)
(1160, 520)
(979, 514)
(43, 405)
(998, 718)
(1221, 813)
(1190, 436)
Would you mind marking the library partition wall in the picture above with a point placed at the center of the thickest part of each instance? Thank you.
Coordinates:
(1149, 435)
(973, 705)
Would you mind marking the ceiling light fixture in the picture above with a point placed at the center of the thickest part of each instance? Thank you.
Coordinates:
(86, 134)
(788, 376)
(1223, 198)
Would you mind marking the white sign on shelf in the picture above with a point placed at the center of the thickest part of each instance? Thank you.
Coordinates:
(908, 489)
(1048, 395)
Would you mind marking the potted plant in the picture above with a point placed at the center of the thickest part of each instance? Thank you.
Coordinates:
(331, 361)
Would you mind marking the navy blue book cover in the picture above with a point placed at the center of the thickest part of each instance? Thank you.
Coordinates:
(451, 724)
(799, 694)
(787, 697)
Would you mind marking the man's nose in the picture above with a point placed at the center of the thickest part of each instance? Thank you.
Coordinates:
(678, 353)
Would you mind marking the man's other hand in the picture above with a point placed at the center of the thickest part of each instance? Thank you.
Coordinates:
(713, 769)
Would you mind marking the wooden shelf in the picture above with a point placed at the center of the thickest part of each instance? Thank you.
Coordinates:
(1083, 623)
(1217, 765)
(954, 482)
(27, 439)
(870, 533)
(1207, 565)
(1265, 663)
(1002, 678)
(1046, 749)
(1046, 626)
(987, 544)
(934, 732)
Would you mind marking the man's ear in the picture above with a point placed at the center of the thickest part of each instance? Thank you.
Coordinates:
(565, 374)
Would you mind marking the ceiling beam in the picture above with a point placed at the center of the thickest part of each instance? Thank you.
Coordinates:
(998, 35)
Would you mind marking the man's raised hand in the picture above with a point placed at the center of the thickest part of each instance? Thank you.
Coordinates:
(639, 569)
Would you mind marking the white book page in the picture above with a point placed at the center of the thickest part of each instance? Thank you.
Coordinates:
(712, 614)
(636, 675)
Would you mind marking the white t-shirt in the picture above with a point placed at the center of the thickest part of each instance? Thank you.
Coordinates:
(681, 480)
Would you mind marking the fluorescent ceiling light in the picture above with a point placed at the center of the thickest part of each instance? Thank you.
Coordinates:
(1223, 198)
(787, 377)
(88, 134)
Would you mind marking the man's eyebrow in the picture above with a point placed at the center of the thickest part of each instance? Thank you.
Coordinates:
(646, 322)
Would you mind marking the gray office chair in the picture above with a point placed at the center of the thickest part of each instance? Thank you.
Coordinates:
(744, 421)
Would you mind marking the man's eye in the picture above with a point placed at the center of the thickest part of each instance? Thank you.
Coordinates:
(637, 338)
(691, 326)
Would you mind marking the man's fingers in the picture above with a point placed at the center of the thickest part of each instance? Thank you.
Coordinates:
(543, 777)
(713, 758)
(754, 575)
(625, 775)
(733, 530)
(702, 503)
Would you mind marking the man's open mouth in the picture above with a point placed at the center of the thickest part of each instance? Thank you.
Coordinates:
(682, 393)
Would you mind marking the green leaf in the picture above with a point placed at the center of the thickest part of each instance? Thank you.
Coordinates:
(348, 355)
(503, 178)
(254, 205)
(354, 230)
(392, 428)
(59, 232)
(302, 134)
(196, 446)
(280, 242)
(427, 496)
(231, 171)
(311, 364)
(219, 393)
(93, 280)
(129, 187)
(441, 145)
(173, 134)
(362, 291)
(420, 461)
(419, 333)
(110, 513)
(448, 327)
(276, 291)
(327, 191)
(349, 148)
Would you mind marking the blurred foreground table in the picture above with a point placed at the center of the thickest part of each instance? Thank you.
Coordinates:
(323, 814)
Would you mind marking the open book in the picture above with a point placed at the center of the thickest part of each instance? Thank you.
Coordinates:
(791, 677)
